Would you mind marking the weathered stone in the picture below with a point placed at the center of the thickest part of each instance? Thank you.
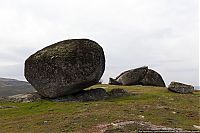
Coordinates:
(131, 77)
(28, 97)
(153, 78)
(96, 94)
(85, 95)
(128, 126)
(180, 88)
(139, 76)
(65, 67)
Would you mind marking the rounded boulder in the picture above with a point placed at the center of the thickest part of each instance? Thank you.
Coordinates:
(139, 76)
(65, 67)
(180, 88)
(132, 77)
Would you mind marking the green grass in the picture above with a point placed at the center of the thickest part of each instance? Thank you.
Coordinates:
(156, 104)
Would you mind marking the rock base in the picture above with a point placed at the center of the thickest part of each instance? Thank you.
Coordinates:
(93, 95)
(83, 96)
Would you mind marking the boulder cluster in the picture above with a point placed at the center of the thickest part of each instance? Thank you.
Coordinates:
(67, 67)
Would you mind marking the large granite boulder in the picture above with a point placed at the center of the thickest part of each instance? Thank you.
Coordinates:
(65, 67)
(180, 88)
(132, 77)
(139, 76)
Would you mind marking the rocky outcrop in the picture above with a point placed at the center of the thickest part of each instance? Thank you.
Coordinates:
(141, 126)
(28, 97)
(65, 67)
(85, 95)
(139, 76)
(95, 94)
(180, 88)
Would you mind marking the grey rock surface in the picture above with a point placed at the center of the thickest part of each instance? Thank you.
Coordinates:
(65, 67)
(95, 94)
(85, 95)
(180, 88)
(132, 77)
(28, 97)
(153, 78)
(139, 76)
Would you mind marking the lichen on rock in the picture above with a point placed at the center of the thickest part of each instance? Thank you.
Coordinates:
(180, 88)
(65, 67)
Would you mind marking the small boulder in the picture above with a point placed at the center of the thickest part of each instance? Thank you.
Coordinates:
(180, 88)
(88, 95)
(28, 97)
(65, 67)
(96, 94)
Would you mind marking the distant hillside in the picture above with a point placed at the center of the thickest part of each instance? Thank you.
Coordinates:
(10, 87)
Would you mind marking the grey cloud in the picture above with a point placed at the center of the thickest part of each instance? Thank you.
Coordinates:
(12, 71)
(160, 34)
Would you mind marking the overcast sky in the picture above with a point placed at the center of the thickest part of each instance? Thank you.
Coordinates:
(161, 34)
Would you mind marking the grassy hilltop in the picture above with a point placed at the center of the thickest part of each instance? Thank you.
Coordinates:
(148, 104)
